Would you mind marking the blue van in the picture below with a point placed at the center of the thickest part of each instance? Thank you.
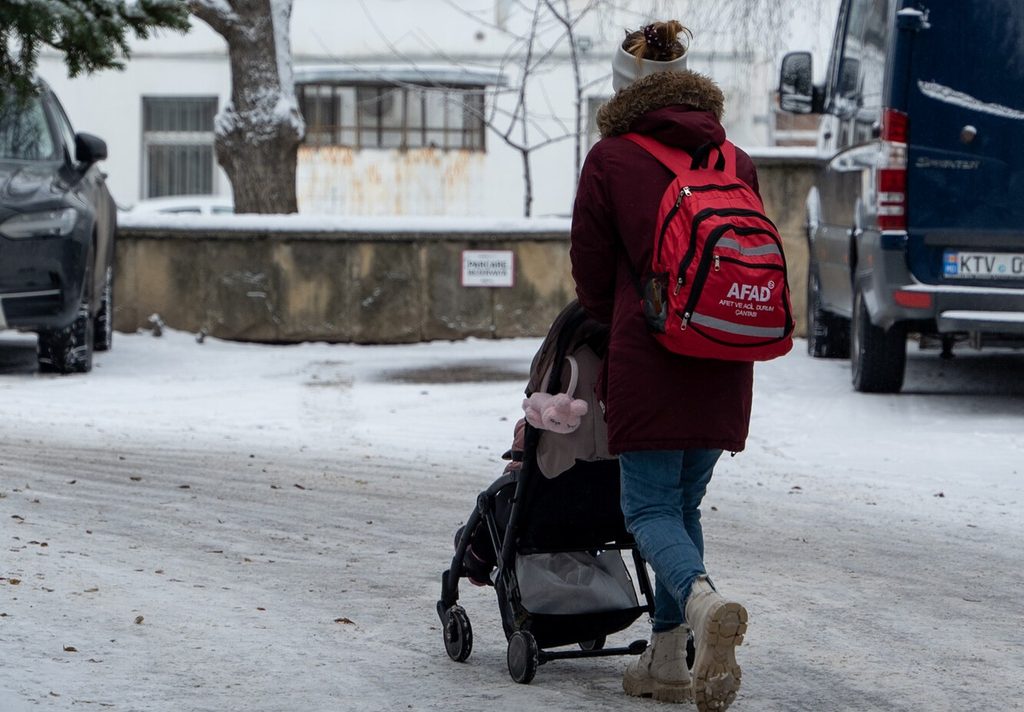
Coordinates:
(916, 218)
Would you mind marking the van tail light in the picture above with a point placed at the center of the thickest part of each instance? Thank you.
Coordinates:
(891, 173)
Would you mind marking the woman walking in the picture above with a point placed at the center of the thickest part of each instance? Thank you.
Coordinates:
(669, 417)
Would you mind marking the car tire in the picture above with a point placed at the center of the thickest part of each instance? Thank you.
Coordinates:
(103, 327)
(68, 350)
(878, 357)
(828, 335)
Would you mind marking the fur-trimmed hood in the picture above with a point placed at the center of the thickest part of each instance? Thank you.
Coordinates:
(657, 91)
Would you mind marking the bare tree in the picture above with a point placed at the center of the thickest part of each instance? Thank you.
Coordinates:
(515, 125)
(738, 26)
(565, 17)
(521, 127)
(519, 117)
(259, 130)
(761, 27)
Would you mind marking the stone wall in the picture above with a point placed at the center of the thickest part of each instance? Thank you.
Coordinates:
(287, 283)
(785, 179)
(365, 288)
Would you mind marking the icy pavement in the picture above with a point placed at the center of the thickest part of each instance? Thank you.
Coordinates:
(225, 526)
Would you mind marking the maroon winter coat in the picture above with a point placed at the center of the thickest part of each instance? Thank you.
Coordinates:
(654, 399)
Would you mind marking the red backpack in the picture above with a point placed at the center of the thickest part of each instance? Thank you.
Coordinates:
(716, 287)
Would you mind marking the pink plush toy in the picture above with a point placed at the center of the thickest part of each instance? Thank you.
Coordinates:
(559, 413)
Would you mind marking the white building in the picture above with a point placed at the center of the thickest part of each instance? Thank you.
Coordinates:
(406, 100)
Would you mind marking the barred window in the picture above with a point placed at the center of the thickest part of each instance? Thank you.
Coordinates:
(387, 116)
(177, 138)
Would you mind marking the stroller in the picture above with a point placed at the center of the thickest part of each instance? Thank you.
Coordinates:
(549, 535)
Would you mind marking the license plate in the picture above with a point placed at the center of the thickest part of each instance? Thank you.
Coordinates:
(982, 265)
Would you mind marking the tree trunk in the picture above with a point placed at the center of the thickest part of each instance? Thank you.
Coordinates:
(258, 133)
(259, 163)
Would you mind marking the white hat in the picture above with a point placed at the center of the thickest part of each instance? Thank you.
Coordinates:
(626, 69)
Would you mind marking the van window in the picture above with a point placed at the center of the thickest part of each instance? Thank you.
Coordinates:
(861, 75)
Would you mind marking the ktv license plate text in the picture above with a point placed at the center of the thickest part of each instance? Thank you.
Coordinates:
(982, 265)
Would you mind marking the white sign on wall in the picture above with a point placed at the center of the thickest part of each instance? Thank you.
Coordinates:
(488, 268)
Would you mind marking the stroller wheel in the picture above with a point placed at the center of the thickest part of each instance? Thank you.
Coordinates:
(595, 644)
(458, 634)
(523, 656)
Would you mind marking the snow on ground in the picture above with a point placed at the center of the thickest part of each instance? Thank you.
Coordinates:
(225, 526)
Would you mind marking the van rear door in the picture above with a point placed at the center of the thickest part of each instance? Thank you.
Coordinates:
(964, 95)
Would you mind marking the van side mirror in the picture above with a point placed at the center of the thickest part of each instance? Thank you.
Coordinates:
(89, 149)
(796, 90)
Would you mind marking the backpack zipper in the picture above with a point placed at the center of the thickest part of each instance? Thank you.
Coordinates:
(700, 277)
(700, 217)
(687, 191)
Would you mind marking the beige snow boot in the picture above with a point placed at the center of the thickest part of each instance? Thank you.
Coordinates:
(718, 627)
(660, 671)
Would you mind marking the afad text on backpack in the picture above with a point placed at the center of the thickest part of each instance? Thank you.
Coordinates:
(717, 285)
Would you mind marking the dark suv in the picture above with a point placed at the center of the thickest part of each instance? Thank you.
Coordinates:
(57, 226)
(916, 218)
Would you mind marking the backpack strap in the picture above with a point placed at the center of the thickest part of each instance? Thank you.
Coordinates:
(678, 160)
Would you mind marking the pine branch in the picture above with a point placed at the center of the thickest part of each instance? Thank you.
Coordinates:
(91, 34)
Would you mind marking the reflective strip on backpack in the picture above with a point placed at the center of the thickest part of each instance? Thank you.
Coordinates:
(769, 249)
(771, 332)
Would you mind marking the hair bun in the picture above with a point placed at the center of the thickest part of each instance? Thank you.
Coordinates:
(659, 41)
(652, 38)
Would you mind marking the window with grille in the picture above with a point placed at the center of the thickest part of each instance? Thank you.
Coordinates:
(387, 116)
(177, 137)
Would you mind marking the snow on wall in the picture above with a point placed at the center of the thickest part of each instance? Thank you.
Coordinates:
(310, 223)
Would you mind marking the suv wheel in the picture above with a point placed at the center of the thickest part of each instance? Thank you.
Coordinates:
(828, 335)
(878, 357)
(104, 322)
(68, 350)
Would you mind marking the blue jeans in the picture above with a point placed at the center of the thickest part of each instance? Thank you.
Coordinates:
(661, 495)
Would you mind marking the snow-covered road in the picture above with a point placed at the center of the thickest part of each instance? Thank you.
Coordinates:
(227, 527)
